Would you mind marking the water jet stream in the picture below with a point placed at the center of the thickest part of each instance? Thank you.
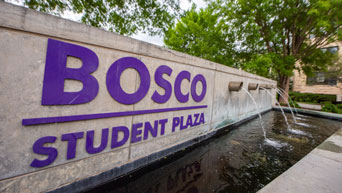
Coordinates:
(289, 129)
(275, 143)
(257, 108)
(282, 111)
(268, 141)
(283, 91)
(288, 104)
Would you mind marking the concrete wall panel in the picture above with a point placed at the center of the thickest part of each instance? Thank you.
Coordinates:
(24, 36)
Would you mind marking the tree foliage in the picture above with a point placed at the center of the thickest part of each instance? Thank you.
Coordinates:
(201, 34)
(270, 36)
(122, 16)
(285, 31)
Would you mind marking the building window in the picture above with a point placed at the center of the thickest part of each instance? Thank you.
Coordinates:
(333, 49)
(322, 78)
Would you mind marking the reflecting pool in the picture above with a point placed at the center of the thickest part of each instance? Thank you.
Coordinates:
(236, 161)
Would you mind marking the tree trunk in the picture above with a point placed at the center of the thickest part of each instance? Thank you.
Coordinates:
(284, 83)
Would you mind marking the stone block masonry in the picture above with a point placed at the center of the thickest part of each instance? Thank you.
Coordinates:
(80, 105)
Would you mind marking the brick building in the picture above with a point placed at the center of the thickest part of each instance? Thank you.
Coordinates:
(322, 82)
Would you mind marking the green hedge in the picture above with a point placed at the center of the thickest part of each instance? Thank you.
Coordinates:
(312, 98)
(293, 104)
(329, 107)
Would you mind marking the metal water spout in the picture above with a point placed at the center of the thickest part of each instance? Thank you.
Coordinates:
(253, 86)
(235, 86)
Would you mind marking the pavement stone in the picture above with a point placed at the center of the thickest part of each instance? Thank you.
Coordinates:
(318, 172)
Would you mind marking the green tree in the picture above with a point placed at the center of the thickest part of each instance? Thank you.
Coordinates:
(122, 16)
(201, 34)
(284, 32)
(261, 65)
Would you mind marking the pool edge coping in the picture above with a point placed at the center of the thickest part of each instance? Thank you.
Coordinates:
(117, 172)
(316, 171)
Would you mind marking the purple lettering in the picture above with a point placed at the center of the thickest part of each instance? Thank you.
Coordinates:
(152, 130)
(179, 95)
(198, 77)
(135, 132)
(189, 121)
(115, 136)
(38, 148)
(56, 72)
(90, 141)
(181, 123)
(113, 80)
(162, 123)
(196, 122)
(71, 138)
(175, 123)
(158, 78)
(201, 119)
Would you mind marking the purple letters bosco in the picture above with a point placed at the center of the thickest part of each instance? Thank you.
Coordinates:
(56, 72)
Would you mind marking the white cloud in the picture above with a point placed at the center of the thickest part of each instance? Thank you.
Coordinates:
(158, 40)
(185, 4)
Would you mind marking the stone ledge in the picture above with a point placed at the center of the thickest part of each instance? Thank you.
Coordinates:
(332, 116)
(320, 171)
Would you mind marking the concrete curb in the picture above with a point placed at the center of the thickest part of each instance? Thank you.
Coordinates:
(332, 116)
(320, 171)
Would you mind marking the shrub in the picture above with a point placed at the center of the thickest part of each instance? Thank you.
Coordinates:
(329, 107)
(293, 104)
(339, 106)
(312, 98)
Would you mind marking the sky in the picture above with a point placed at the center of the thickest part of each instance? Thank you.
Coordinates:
(157, 40)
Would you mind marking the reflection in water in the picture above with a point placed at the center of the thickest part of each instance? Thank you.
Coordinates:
(238, 161)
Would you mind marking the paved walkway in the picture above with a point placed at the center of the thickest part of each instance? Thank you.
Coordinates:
(318, 172)
(310, 106)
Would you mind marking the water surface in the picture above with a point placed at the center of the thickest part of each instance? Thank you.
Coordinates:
(237, 161)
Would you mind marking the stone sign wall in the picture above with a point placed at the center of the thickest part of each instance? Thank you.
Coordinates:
(80, 105)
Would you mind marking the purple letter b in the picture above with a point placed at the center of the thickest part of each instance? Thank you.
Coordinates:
(56, 72)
